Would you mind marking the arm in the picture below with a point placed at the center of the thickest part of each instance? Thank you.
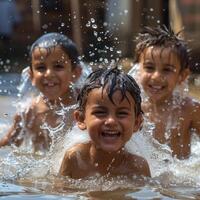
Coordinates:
(145, 171)
(196, 117)
(140, 166)
(68, 164)
(12, 133)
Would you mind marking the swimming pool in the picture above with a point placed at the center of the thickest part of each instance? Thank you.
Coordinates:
(24, 176)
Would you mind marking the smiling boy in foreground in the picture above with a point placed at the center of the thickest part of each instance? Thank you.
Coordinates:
(109, 108)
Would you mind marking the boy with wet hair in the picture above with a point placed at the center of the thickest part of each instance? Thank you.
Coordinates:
(54, 66)
(52, 40)
(163, 62)
(109, 108)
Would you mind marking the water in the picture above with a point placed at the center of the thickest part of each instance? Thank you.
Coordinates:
(159, 156)
(27, 176)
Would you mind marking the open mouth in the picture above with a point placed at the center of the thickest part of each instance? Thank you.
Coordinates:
(156, 88)
(50, 84)
(111, 134)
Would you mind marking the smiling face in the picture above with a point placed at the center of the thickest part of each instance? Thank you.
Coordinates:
(160, 72)
(51, 72)
(109, 125)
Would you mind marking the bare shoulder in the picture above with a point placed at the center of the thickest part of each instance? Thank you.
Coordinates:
(139, 165)
(78, 150)
(75, 159)
(193, 110)
(191, 106)
(191, 103)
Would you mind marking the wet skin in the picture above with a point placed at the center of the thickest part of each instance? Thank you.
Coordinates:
(51, 73)
(160, 73)
(109, 126)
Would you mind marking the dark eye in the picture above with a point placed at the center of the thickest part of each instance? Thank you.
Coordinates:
(40, 68)
(168, 69)
(58, 67)
(99, 113)
(122, 114)
(149, 68)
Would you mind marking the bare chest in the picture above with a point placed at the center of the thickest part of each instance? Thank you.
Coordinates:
(173, 128)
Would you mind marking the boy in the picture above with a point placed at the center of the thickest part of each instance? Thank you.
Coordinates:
(163, 65)
(54, 66)
(109, 108)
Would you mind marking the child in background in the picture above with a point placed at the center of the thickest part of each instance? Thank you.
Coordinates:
(109, 108)
(163, 65)
(54, 67)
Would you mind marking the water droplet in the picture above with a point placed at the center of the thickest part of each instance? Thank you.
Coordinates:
(88, 24)
(96, 164)
(105, 24)
(92, 20)
(45, 26)
(94, 26)
(125, 12)
(95, 33)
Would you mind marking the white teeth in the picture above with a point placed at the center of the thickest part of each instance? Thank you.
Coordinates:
(111, 132)
(50, 84)
(156, 87)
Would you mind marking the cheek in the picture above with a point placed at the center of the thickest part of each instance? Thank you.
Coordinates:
(35, 79)
(143, 80)
(66, 79)
(93, 124)
(143, 75)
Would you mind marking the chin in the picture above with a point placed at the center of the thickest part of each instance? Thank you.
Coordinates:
(51, 98)
(110, 149)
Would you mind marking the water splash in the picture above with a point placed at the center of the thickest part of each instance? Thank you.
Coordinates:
(23, 161)
(169, 169)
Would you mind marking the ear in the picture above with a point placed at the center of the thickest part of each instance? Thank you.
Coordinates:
(79, 117)
(76, 73)
(138, 123)
(183, 75)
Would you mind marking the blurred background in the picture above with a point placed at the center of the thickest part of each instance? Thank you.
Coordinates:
(102, 29)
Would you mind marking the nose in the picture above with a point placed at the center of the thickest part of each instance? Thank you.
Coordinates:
(49, 72)
(157, 75)
(111, 121)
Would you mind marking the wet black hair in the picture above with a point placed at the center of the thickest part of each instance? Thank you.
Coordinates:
(52, 40)
(162, 37)
(111, 79)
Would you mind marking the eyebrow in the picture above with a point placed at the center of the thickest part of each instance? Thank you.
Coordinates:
(38, 62)
(98, 107)
(58, 61)
(148, 62)
(169, 65)
(124, 109)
